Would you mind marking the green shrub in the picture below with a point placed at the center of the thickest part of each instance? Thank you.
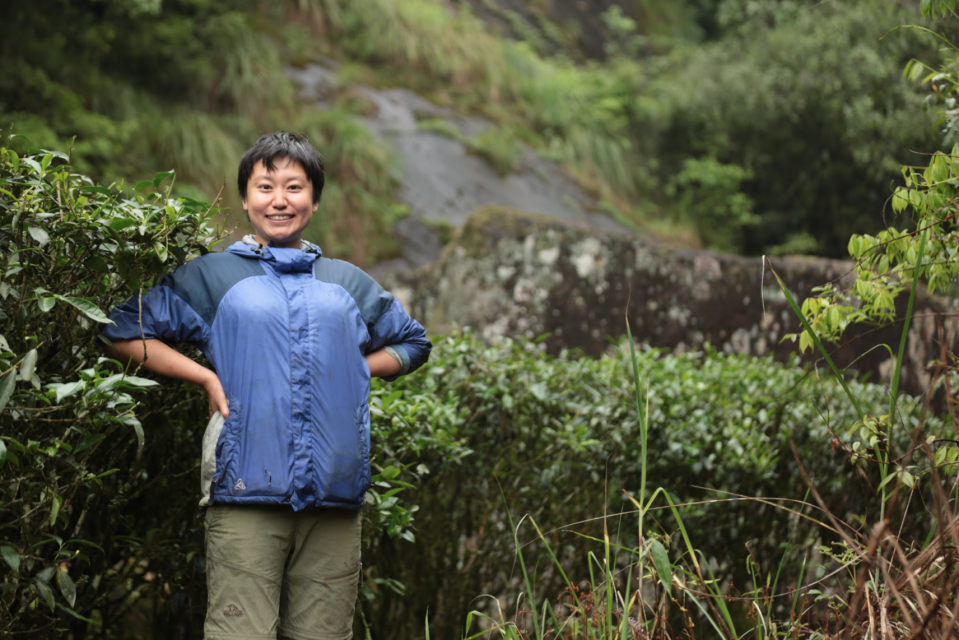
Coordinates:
(72, 462)
(98, 492)
(550, 437)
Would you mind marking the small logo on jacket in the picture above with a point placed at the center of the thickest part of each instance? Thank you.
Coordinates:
(239, 486)
(232, 611)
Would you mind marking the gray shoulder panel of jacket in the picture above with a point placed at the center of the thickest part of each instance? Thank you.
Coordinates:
(203, 282)
(372, 299)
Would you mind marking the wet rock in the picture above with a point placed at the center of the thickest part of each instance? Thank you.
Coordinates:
(508, 273)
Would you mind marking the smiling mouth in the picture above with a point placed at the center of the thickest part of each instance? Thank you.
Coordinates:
(280, 218)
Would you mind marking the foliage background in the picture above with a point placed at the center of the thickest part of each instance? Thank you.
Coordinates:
(769, 127)
(772, 127)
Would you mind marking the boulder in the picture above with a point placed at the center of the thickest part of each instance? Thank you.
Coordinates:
(510, 273)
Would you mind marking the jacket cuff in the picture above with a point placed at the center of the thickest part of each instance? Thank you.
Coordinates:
(398, 353)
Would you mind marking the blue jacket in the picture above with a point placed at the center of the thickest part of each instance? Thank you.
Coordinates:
(287, 331)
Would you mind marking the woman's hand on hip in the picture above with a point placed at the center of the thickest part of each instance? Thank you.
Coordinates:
(216, 395)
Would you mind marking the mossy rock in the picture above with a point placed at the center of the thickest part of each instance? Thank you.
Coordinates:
(510, 273)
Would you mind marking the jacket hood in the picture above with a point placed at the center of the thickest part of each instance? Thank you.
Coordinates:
(283, 260)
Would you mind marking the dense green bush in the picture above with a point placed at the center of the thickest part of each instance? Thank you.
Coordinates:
(75, 476)
(98, 493)
(551, 436)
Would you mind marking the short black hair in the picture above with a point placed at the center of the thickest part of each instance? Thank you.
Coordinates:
(281, 144)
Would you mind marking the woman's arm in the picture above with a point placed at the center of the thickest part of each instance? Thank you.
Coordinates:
(169, 362)
(382, 364)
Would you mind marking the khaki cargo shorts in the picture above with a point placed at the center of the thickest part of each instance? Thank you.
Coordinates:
(277, 573)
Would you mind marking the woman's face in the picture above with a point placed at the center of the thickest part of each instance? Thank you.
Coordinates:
(280, 202)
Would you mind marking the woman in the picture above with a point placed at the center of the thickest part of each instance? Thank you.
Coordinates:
(294, 339)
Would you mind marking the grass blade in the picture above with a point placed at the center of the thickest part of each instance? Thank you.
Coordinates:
(816, 341)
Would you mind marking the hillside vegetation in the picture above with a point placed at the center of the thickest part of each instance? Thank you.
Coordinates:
(775, 129)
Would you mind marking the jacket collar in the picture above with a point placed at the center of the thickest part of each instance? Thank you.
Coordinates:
(283, 260)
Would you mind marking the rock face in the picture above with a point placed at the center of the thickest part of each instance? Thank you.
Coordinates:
(508, 273)
(442, 181)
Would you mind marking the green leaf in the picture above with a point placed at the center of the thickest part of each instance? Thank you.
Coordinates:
(67, 587)
(390, 472)
(663, 568)
(133, 422)
(11, 556)
(66, 389)
(46, 304)
(46, 592)
(3, 453)
(33, 164)
(161, 251)
(908, 479)
(55, 510)
(40, 235)
(96, 189)
(143, 184)
(88, 441)
(121, 223)
(140, 382)
(89, 309)
(14, 159)
(98, 264)
(160, 177)
(28, 365)
(885, 481)
(74, 614)
(7, 384)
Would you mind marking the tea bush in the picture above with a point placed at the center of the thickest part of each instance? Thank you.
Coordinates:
(558, 438)
(97, 492)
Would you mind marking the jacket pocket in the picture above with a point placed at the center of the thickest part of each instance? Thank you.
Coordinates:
(208, 456)
(363, 436)
(226, 448)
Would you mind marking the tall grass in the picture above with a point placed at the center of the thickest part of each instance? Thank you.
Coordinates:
(870, 582)
(358, 206)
